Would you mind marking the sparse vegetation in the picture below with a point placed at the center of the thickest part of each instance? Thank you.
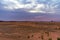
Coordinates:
(47, 33)
(42, 37)
(58, 38)
(28, 37)
(50, 38)
(32, 35)
(18, 30)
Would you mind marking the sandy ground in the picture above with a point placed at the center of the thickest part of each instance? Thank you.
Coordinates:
(22, 32)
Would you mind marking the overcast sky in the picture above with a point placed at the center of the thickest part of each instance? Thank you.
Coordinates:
(30, 10)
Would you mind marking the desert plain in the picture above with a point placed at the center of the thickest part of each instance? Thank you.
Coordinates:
(28, 30)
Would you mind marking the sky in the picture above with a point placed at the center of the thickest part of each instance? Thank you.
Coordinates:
(30, 10)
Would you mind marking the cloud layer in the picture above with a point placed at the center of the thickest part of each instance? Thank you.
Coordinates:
(24, 10)
(49, 6)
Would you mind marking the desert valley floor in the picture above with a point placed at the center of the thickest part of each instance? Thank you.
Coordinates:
(29, 30)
